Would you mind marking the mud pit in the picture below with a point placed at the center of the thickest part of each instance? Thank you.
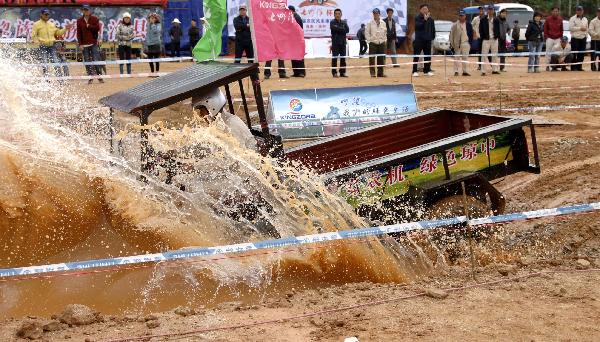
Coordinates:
(545, 306)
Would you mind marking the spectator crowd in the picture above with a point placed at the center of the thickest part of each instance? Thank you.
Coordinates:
(485, 36)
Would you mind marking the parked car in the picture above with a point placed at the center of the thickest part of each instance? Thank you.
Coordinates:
(441, 43)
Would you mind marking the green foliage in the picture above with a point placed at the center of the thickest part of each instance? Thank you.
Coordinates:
(545, 6)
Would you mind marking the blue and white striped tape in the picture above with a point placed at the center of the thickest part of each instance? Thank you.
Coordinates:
(228, 59)
(292, 241)
(118, 62)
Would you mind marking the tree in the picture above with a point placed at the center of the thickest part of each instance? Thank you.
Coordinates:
(567, 7)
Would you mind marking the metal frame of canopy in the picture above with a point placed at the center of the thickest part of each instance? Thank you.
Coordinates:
(196, 80)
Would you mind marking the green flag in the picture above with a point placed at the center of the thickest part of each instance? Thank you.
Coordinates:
(215, 15)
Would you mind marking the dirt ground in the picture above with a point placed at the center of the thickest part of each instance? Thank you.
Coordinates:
(534, 280)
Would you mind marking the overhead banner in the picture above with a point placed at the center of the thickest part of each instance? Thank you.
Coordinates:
(316, 14)
(46, 3)
(310, 113)
(16, 22)
(275, 32)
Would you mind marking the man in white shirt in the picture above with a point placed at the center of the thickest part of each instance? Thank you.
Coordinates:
(560, 55)
(578, 24)
(376, 34)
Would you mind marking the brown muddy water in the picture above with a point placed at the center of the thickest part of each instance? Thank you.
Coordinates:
(64, 197)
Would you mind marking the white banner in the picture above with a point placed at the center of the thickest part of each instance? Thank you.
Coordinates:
(316, 14)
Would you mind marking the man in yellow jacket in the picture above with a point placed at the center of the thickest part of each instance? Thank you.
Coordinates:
(44, 34)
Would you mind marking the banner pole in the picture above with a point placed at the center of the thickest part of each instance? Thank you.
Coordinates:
(252, 34)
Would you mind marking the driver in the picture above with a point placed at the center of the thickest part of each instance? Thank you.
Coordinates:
(211, 107)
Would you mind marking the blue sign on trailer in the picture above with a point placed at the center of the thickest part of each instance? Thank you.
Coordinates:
(321, 112)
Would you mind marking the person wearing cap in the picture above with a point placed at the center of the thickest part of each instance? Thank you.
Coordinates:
(461, 36)
(243, 36)
(175, 33)
(553, 32)
(298, 65)
(125, 35)
(424, 36)
(392, 36)
(153, 41)
(489, 31)
(193, 34)
(516, 35)
(44, 34)
(535, 42)
(578, 24)
(594, 30)
(339, 29)
(88, 38)
(561, 55)
(476, 46)
(376, 35)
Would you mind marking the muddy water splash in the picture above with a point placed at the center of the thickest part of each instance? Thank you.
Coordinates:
(64, 197)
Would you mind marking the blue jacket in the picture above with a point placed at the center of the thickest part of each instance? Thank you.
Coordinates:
(153, 35)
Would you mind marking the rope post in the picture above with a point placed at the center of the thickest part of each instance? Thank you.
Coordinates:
(500, 85)
(111, 131)
(445, 68)
(469, 229)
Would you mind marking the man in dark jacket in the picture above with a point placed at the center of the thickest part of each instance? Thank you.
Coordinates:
(535, 42)
(476, 46)
(489, 31)
(339, 30)
(88, 32)
(175, 33)
(392, 36)
(194, 34)
(424, 35)
(503, 30)
(243, 36)
(298, 65)
(362, 40)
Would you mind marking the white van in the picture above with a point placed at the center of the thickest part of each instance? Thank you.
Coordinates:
(522, 13)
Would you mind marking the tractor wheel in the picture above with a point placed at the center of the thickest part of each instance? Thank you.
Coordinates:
(453, 206)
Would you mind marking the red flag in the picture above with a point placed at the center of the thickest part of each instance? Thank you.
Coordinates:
(277, 35)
